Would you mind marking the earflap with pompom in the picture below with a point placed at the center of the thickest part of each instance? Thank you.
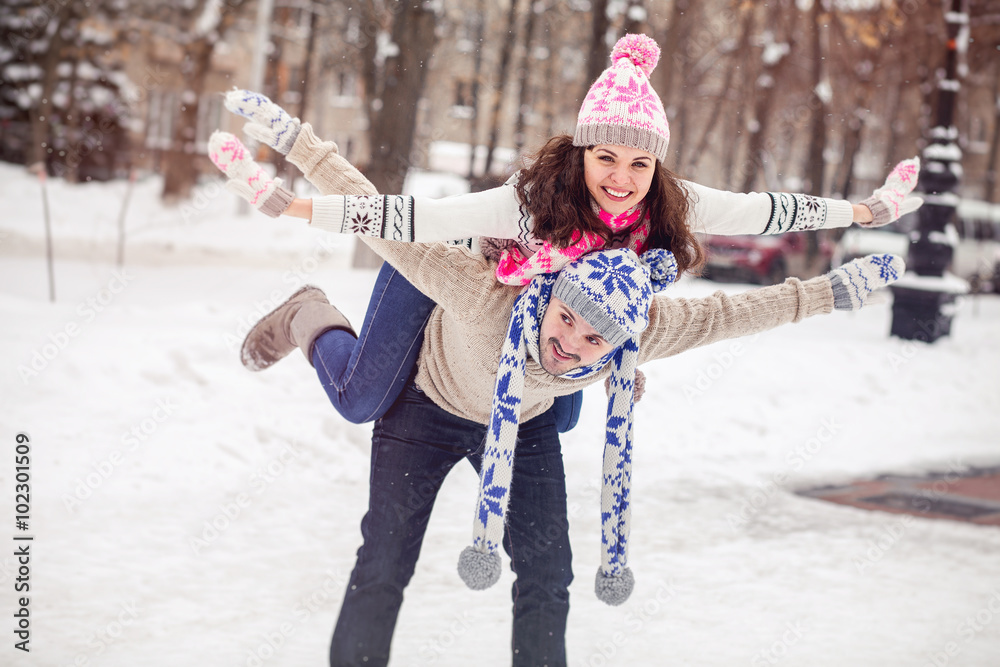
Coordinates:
(662, 267)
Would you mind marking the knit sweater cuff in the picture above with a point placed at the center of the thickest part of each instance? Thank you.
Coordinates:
(815, 297)
(841, 214)
(328, 213)
(325, 168)
(276, 204)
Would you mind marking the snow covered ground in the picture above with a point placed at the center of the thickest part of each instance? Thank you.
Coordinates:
(185, 511)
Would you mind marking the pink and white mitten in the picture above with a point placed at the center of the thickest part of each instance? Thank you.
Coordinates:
(893, 200)
(247, 178)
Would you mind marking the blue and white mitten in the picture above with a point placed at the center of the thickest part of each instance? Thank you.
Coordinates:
(853, 282)
(269, 123)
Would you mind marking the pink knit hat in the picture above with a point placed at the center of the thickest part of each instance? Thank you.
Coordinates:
(622, 108)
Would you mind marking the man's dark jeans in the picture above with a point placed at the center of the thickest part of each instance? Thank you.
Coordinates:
(414, 447)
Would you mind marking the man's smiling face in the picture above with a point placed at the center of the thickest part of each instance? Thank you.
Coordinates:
(566, 341)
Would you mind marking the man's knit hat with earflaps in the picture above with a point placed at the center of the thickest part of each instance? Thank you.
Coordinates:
(612, 290)
(621, 107)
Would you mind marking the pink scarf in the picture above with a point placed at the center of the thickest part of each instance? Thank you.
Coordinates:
(516, 268)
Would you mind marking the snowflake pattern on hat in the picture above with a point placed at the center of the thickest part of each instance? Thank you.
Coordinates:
(621, 107)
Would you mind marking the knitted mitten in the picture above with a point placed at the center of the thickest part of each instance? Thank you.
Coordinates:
(892, 201)
(269, 123)
(246, 178)
(854, 281)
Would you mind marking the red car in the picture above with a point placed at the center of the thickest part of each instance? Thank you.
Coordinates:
(765, 260)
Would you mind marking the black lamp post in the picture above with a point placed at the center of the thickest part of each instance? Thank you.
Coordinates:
(923, 303)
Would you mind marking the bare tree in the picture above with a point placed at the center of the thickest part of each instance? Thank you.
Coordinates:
(477, 74)
(596, 58)
(198, 28)
(503, 71)
(733, 65)
(776, 44)
(400, 43)
(523, 80)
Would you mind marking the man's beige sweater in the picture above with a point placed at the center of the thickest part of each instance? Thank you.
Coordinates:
(458, 362)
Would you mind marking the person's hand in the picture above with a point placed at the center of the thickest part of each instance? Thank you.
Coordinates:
(269, 123)
(246, 178)
(853, 282)
(893, 200)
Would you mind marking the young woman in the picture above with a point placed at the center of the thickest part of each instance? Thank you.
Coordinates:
(604, 187)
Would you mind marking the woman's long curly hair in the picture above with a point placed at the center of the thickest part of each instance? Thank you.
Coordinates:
(553, 188)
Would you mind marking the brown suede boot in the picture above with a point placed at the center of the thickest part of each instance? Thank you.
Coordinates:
(298, 322)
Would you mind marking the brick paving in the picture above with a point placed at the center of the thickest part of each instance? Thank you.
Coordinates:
(972, 496)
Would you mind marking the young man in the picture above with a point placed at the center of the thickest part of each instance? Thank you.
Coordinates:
(492, 360)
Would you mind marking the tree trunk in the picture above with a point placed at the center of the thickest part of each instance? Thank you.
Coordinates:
(180, 161)
(393, 111)
(672, 60)
(815, 163)
(502, 74)
(597, 58)
(990, 177)
(523, 82)
(41, 121)
(815, 167)
(477, 74)
(764, 96)
(180, 172)
(635, 17)
(736, 61)
(393, 127)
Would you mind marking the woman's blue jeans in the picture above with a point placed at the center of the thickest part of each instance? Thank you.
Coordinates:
(363, 376)
(414, 447)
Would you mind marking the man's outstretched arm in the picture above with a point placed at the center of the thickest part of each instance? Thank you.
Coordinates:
(677, 325)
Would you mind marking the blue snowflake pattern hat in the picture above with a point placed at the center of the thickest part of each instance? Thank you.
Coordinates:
(612, 290)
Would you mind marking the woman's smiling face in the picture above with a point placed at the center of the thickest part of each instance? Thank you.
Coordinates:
(617, 177)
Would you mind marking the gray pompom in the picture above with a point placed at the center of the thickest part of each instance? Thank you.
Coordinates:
(478, 570)
(614, 590)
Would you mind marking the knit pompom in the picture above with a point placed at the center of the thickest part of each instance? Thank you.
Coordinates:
(614, 590)
(640, 49)
(478, 570)
(662, 268)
